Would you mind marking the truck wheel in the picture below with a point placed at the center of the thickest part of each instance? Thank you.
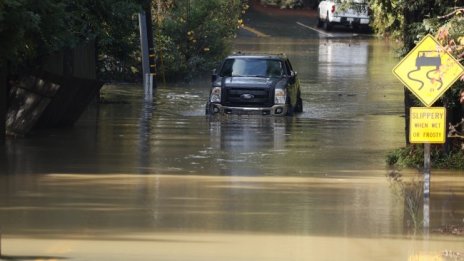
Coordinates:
(319, 20)
(299, 105)
(290, 109)
(327, 24)
(208, 109)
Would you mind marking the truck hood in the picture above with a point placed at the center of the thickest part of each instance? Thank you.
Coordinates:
(250, 82)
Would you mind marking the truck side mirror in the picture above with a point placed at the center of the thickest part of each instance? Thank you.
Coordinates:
(292, 78)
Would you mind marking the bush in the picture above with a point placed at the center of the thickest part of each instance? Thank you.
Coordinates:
(193, 36)
(412, 156)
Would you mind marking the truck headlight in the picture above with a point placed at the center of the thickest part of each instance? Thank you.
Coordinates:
(280, 96)
(215, 95)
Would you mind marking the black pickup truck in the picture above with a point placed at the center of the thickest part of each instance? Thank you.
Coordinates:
(255, 84)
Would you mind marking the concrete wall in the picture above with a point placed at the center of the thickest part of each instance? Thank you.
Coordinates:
(57, 95)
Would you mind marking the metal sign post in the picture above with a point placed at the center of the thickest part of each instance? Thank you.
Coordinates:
(145, 56)
(428, 71)
(147, 48)
(427, 125)
(426, 187)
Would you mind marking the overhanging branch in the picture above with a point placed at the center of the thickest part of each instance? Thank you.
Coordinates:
(456, 10)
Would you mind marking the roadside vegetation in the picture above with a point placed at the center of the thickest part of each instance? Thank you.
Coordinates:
(32, 30)
(189, 35)
(409, 191)
(412, 156)
(407, 23)
(192, 36)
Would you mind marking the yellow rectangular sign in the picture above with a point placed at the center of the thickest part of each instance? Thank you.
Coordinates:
(427, 125)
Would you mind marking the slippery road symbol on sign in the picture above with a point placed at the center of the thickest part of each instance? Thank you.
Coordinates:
(428, 71)
(427, 59)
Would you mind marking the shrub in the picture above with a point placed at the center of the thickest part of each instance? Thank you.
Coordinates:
(412, 156)
(192, 36)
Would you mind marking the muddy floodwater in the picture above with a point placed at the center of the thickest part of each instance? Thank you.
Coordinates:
(159, 180)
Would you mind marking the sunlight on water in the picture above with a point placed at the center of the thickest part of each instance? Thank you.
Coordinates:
(161, 181)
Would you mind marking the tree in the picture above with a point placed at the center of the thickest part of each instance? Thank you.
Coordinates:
(31, 30)
(193, 35)
(408, 22)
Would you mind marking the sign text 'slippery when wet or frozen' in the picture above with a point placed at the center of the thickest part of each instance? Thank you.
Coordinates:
(427, 125)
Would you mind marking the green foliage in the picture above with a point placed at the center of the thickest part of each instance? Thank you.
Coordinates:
(30, 29)
(412, 156)
(190, 38)
(450, 32)
(408, 21)
(387, 17)
(194, 35)
(409, 192)
(115, 26)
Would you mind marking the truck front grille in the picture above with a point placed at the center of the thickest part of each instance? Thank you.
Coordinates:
(242, 97)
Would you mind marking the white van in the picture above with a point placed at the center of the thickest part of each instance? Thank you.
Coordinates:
(353, 13)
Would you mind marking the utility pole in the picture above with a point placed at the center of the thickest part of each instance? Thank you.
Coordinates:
(148, 50)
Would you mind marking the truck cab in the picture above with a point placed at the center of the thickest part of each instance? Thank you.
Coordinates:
(255, 84)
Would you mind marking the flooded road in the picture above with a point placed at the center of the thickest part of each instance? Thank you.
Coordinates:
(352, 117)
(161, 181)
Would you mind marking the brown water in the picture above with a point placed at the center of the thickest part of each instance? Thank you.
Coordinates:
(160, 181)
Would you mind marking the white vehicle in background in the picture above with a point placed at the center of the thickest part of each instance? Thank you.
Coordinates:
(352, 13)
(283, 3)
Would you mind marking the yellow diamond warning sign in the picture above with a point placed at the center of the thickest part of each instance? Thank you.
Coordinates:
(427, 125)
(428, 71)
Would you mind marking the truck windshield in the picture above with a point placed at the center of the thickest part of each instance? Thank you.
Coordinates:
(251, 67)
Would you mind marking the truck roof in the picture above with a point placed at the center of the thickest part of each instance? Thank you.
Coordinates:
(258, 56)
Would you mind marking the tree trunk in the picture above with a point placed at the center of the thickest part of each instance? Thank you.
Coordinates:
(410, 17)
(3, 100)
(408, 103)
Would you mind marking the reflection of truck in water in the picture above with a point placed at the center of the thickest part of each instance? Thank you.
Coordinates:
(428, 58)
(339, 59)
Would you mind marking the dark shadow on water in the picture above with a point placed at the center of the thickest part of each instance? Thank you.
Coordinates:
(6, 257)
